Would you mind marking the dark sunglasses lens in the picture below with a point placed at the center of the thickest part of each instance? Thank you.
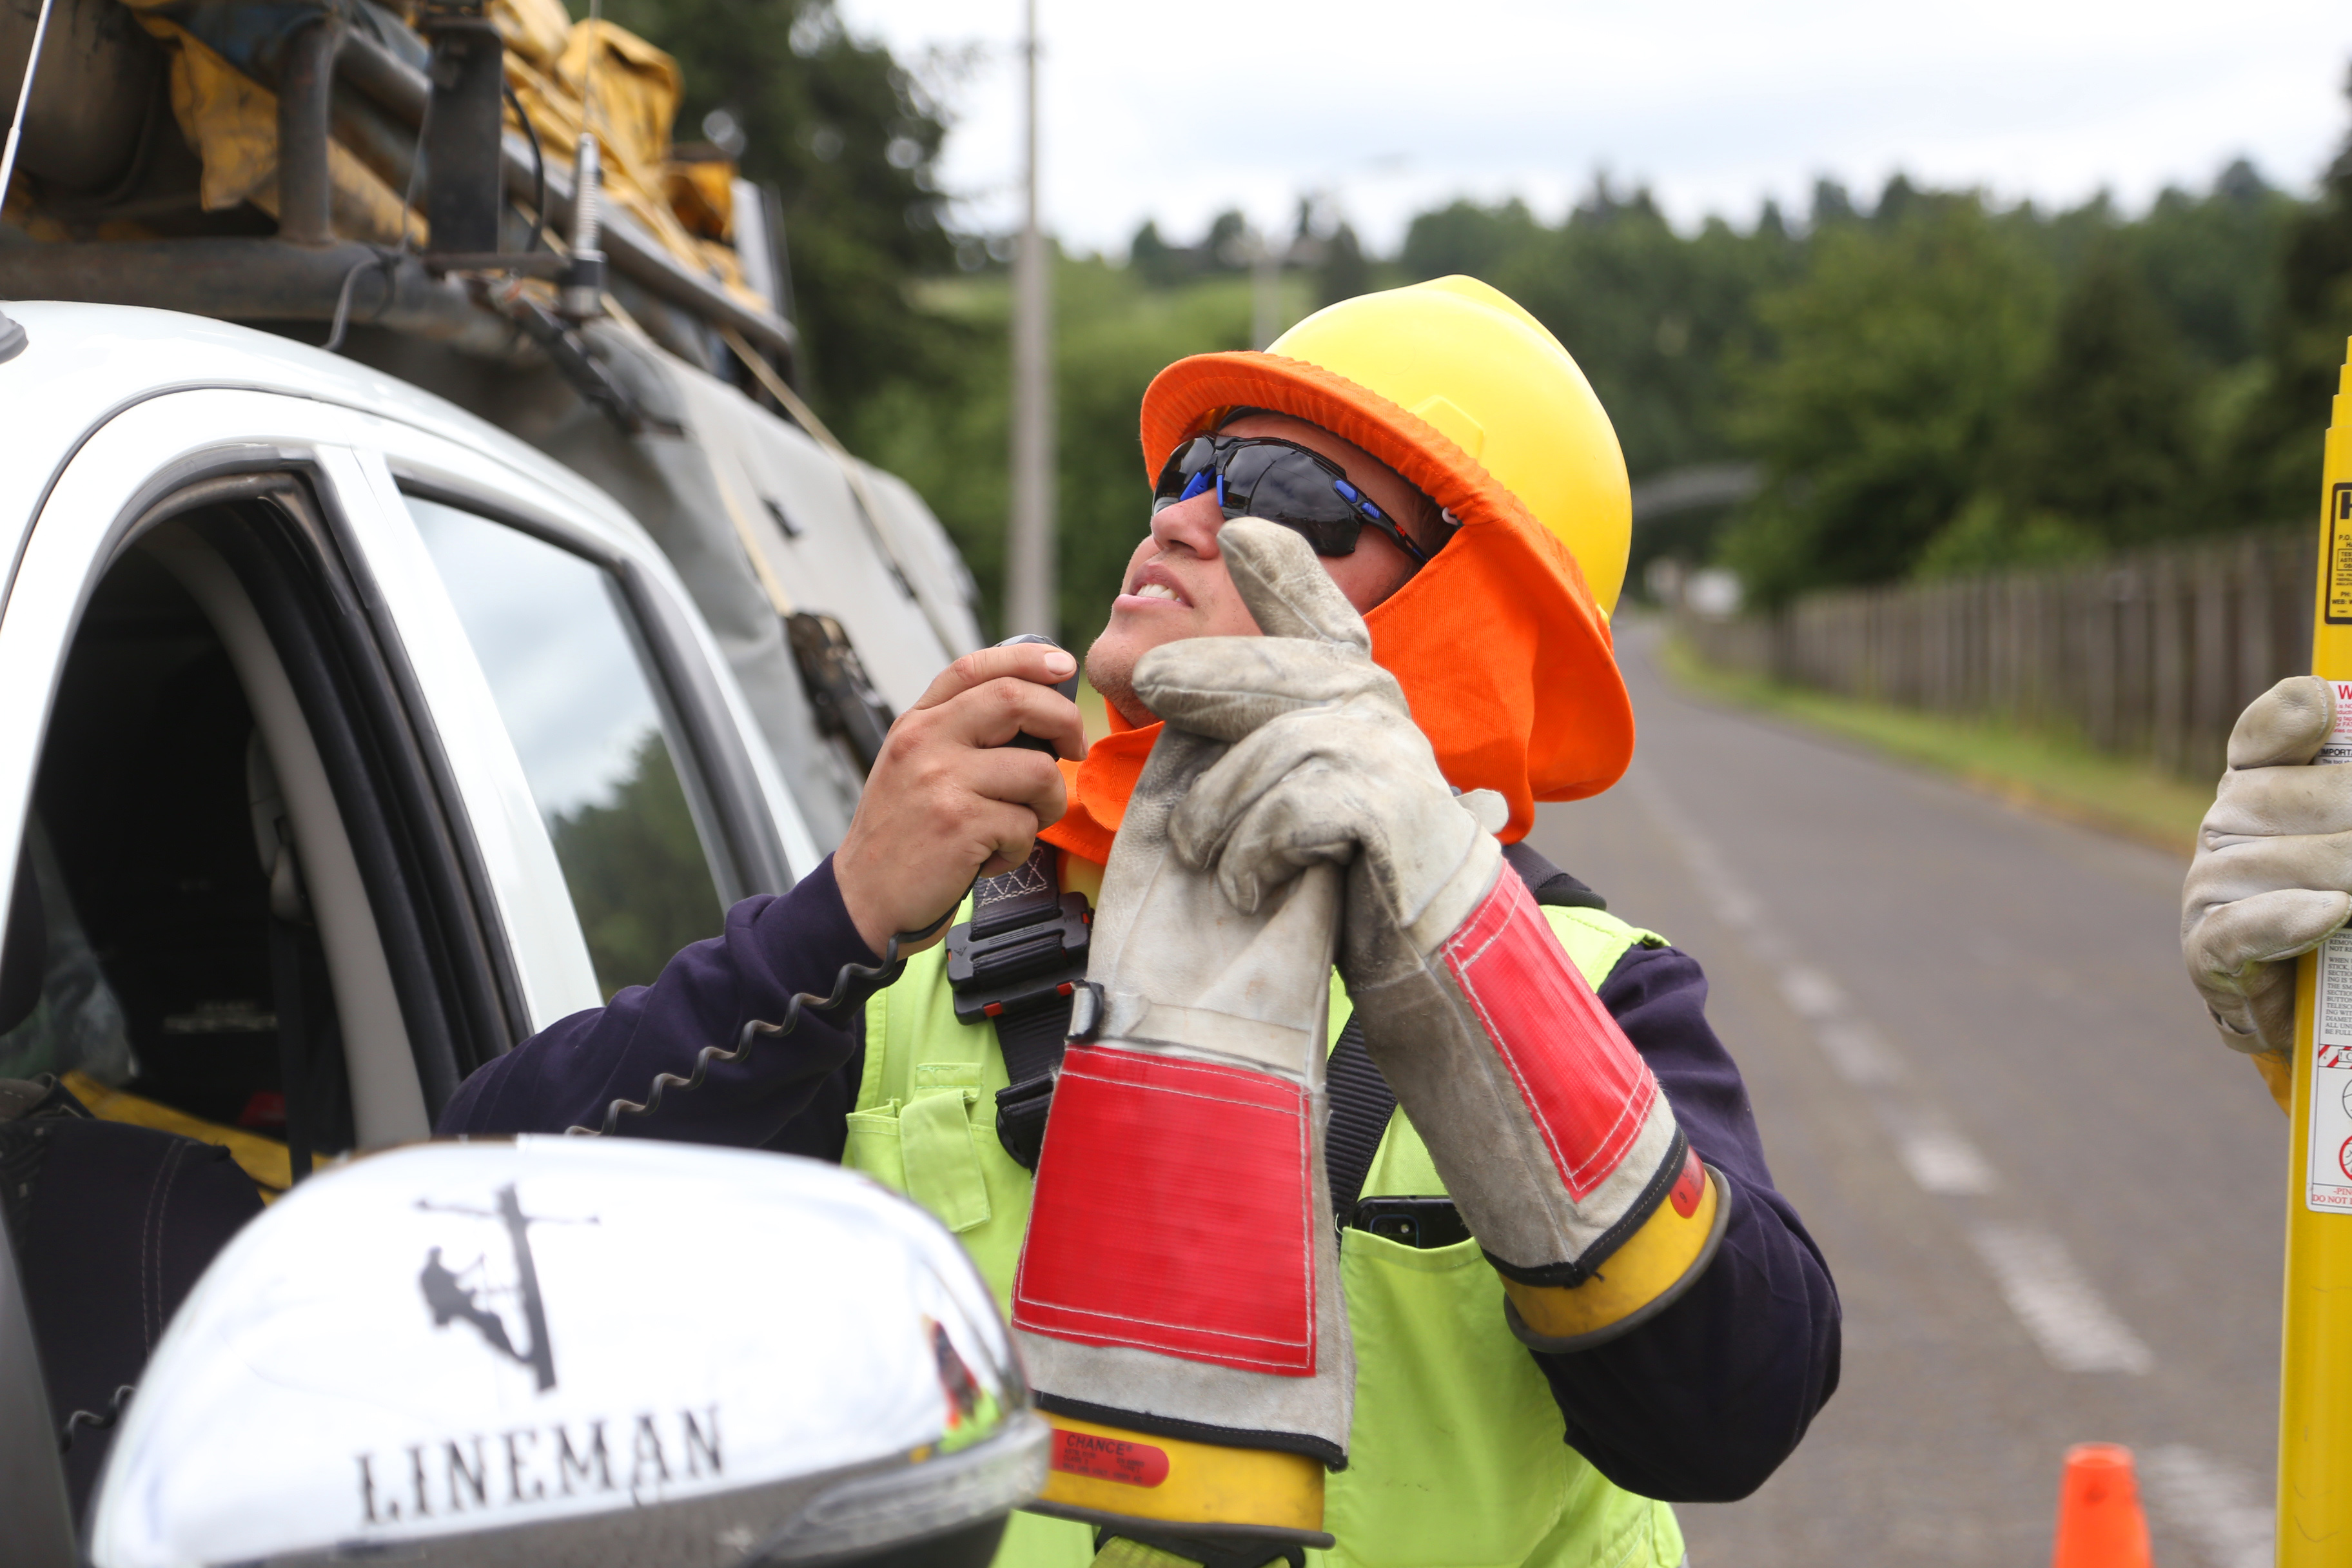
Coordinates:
(1244, 468)
(1293, 489)
(1183, 463)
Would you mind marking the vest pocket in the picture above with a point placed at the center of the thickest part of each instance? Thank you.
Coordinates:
(943, 1167)
(872, 1146)
(1456, 1459)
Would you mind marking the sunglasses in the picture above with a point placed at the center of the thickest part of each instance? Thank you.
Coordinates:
(1280, 481)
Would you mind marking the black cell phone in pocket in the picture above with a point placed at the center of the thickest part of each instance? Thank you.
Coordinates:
(1423, 1223)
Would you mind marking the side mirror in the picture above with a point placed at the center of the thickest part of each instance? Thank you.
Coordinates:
(571, 1350)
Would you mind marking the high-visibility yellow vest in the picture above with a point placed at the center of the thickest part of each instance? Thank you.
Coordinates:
(1456, 1460)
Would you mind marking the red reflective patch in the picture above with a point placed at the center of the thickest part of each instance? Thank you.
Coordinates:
(1173, 1212)
(1584, 1083)
(1109, 1458)
(1685, 1194)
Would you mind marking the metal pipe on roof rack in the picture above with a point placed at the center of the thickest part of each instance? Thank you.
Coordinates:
(306, 77)
(401, 89)
(256, 281)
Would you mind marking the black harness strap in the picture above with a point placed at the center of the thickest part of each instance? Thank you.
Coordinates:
(1361, 1104)
(1015, 963)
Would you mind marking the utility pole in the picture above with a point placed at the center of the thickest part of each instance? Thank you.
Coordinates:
(1266, 289)
(1030, 591)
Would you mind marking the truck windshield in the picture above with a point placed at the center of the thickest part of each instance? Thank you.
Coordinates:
(555, 637)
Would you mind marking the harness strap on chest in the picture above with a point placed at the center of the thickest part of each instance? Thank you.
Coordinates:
(1014, 964)
(1016, 961)
(1361, 1104)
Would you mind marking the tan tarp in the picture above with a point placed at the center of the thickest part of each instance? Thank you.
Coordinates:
(231, 122)
(552, 64)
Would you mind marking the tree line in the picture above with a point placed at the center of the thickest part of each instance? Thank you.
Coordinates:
(1928, 381)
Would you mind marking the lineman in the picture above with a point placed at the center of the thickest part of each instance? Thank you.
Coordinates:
(1615, 1260)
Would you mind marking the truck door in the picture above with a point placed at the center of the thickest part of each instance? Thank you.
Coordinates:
(242, 898)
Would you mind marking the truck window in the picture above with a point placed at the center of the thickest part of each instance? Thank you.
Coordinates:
(565, 661)
(239, 912)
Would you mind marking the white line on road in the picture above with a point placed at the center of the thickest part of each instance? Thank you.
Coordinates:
(1940, 1158)
(2217, 1506)
(1813, 993)
(2056, 1301)
(2058, 1306)
(1859, 1052)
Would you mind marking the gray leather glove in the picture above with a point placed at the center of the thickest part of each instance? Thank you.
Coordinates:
(1552, 1135)
(1178, 1301)
(1332, 769)
(2272, 874)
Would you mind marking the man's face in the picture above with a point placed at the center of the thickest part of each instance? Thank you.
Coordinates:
(1177, 586)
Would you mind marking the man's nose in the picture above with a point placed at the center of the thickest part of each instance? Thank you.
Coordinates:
(1192, 524)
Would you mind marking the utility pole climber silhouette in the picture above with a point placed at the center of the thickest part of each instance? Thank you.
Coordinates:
(450, 1301)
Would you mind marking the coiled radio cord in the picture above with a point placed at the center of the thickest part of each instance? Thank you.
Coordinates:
(850, 974)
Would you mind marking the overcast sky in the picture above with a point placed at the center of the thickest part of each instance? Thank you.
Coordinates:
(1393, 106)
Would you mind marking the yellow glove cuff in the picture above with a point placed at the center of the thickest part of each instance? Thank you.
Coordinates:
(1655, 1265)
(1102, 1474)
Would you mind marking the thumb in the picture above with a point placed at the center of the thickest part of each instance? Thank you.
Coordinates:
(2286, 724)
(1286, 587)
(2282, 923)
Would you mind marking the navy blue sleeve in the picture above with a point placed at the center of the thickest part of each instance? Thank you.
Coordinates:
(792, 1091)
(1705, 1400)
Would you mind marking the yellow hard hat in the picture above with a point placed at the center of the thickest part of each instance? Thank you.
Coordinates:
(1502, 642)
(1468, 361)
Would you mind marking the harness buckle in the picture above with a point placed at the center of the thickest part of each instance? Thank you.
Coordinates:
(1019, 968)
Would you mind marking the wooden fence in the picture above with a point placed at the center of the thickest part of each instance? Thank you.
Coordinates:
(2150, 654)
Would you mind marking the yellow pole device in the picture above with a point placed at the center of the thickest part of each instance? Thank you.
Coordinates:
(2314, 1473)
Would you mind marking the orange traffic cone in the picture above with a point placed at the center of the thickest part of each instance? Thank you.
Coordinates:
(2099, 1520)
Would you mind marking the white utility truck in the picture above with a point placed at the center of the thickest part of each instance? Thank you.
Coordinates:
(427, 603)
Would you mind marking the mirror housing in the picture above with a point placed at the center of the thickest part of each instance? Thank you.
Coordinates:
(566, 1350)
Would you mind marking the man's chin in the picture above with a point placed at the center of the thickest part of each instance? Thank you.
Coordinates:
(1110, 671)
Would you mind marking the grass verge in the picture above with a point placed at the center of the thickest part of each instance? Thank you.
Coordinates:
(2062, 777)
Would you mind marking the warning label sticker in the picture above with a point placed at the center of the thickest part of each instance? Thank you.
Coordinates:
(2330, 1176)
(2339, 748)
(1118, 1460)
(2339, 555)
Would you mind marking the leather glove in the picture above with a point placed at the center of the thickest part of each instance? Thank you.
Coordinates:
(1178, 1298)
(2271, 871)
(1551, 1132)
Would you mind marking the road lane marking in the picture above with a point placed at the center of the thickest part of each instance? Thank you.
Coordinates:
(2217, 1505)
(2049, 1293)
(1940, 1159)
(1859, 1052)
(2056, 1301)
(1813, 993)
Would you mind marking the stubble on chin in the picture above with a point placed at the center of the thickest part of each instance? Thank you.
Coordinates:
(1112, 674)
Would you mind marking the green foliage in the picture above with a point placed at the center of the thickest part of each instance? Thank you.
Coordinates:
(636, 871)
(2212, 262)
(1113, 331)
(848, 135)
(1953, 388)
(1346, 271)
(1653, 320)
(2102, 440)
(1899, 352)
(2272, 446)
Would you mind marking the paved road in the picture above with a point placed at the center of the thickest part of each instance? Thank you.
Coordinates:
(2054, 1204)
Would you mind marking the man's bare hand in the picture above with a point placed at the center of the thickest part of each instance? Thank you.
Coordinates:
(948, 799)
